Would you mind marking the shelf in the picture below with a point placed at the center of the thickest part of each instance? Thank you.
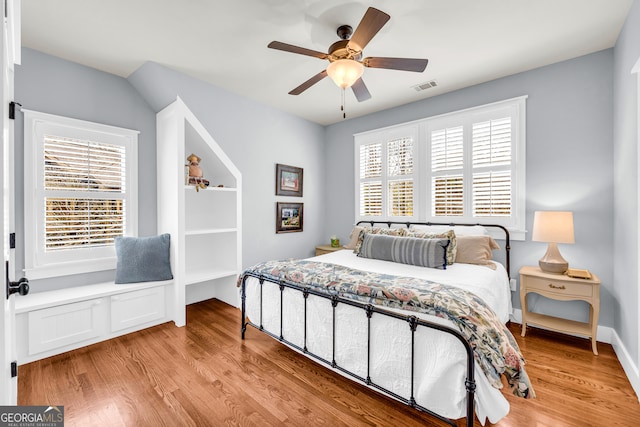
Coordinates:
(559, 325)
(205, 223)
(204, 231)
(221, 189)
(203, 276)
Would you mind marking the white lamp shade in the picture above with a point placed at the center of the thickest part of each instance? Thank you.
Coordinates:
(553, 227)
(345, 72)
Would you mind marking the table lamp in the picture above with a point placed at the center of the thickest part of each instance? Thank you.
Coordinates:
(553, 227)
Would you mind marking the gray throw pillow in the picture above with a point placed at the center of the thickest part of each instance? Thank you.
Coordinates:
(406, 250)
(143, 259)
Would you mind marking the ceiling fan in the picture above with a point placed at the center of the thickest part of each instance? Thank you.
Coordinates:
(345, 56)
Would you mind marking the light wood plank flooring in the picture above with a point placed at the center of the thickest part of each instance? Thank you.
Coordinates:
(204, 374)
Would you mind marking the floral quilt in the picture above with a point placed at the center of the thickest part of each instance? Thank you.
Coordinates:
(495, 349)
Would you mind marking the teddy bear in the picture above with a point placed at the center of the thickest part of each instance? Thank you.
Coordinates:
(195, 172)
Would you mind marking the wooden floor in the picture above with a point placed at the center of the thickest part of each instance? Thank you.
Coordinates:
(204, 374)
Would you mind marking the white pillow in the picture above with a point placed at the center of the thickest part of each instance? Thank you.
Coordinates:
(459, 230)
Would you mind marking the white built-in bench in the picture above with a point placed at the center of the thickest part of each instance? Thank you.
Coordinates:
(52, 322)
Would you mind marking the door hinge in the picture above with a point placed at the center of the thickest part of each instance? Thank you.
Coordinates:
(12, 240)
(12, 109)
(14, 369)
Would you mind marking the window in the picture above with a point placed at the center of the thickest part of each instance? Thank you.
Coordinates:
(467, 166)
(82, 178)
(385, 164)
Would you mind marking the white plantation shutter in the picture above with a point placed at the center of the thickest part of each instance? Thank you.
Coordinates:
(371, 176)
(400, 157)
(492, 148)
(455, 167)
(447, 156)
(371, 198)
(401, 198)
(84, 188)
(492, 194)
(492, 143)
(447, 149)
(370, 161)
(83, 178)
(448, 195)
(400, 164)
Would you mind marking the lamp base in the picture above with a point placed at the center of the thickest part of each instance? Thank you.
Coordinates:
(552, 262)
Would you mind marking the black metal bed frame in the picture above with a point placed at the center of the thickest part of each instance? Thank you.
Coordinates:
(369, 309)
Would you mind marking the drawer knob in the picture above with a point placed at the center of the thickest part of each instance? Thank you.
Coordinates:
(552, 286)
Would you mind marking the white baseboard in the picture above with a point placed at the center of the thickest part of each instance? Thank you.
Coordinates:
(607, 335)
(628, 364)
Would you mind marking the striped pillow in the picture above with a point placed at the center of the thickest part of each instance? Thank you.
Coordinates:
(449, 234)
(377, 230)
(405, 250)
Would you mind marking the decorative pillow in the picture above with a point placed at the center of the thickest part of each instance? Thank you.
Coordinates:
(353, 237)
(406, 250)
(378, 230)
(476, 250)
(460, 230)
(143, 259)
(449, 234)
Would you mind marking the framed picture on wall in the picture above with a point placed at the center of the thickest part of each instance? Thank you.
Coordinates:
(288, 181)
(289, 217)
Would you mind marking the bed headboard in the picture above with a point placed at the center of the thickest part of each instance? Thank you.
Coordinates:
(507, 244)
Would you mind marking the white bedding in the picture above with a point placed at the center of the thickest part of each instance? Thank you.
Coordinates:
(490, 285)
(440, 359)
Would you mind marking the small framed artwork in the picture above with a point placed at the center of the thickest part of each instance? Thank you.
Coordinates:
(288, 217)
(288, 181)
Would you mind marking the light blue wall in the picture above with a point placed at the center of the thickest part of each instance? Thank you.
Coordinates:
(52, 85)
(625, 158)
(569, 163)
(255, 137)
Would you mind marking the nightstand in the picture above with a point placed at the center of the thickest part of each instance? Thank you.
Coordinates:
(563, 288)
(325, 249)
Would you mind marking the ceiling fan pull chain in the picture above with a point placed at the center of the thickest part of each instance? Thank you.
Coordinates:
(342, 107)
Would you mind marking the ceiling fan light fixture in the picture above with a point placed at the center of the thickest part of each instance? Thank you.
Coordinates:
(345, 72)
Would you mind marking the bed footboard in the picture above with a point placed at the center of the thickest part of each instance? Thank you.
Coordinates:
(413, 323)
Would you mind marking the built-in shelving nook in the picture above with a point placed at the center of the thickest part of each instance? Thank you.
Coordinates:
(205, 225)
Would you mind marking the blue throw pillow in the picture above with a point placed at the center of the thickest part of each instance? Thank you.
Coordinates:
(143, 259)
(406, 250)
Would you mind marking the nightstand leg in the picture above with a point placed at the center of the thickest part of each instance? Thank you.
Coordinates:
(593, 319)
(523, 304)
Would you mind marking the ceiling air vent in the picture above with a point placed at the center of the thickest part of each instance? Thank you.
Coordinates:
(425, 85)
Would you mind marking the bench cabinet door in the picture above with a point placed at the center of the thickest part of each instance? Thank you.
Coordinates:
(66, 324)
(136, 308)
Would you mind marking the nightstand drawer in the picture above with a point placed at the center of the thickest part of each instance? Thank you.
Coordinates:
(558, 287)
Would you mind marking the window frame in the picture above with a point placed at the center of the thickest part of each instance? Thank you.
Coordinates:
(38, 263)
(514, 107)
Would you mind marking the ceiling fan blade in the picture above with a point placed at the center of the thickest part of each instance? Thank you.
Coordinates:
(306, 85)
(372, 21)
(404, 64)
(360, 90)
(296, 49)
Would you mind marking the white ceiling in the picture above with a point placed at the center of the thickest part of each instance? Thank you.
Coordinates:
(225, 42)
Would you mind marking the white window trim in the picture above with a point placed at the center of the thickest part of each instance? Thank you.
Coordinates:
(35, 125)
(422, 188)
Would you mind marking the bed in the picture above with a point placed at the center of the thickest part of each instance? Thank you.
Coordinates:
(422, 358)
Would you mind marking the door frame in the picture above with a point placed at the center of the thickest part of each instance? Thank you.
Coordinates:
(10, 46)
(636, 70)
